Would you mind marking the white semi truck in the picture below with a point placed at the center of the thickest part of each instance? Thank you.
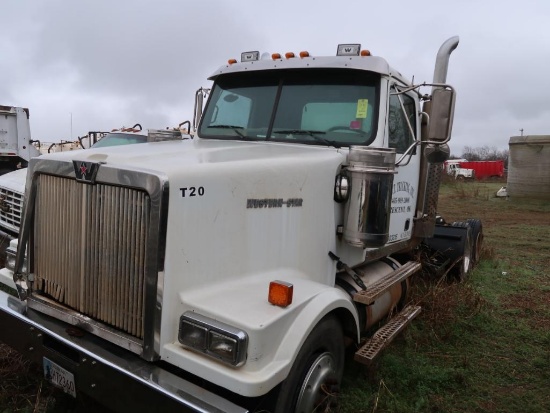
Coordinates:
(225, 274)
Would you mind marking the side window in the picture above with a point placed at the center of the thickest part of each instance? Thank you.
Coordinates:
(400, 136)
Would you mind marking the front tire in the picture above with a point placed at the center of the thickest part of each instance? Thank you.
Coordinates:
(314, 379)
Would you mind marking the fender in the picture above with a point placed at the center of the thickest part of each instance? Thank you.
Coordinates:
(322, 304)
(275, 334)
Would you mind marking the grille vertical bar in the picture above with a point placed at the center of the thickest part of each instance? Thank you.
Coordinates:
(90, 249)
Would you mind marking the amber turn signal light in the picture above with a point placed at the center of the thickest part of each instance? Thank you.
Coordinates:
(280, 293)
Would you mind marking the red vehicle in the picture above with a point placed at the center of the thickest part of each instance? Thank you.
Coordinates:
(485, 169)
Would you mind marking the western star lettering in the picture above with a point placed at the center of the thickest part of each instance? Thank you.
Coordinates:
(274, 203)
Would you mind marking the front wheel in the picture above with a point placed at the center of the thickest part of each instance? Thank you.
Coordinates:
(314, 379)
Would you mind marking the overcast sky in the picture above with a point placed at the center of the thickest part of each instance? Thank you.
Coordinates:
(107, 64)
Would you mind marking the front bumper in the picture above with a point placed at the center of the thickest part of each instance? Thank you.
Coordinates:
(115, 377)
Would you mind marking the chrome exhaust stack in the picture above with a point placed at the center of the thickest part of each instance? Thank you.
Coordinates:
(435, 135)
(442, 59)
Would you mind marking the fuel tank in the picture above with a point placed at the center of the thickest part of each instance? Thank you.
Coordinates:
(392, 300)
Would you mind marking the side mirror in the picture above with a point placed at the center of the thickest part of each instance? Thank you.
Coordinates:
(199, 103)
(441, 117)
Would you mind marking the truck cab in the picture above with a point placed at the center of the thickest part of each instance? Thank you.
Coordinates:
(325, 106)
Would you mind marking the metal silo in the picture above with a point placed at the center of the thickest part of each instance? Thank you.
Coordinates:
(529, 167)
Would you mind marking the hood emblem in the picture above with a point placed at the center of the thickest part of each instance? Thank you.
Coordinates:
(85, 171)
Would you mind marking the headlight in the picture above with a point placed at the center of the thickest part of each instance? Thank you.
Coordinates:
(10, 260)
(213, 338)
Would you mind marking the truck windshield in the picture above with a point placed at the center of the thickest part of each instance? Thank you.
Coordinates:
(313, 106)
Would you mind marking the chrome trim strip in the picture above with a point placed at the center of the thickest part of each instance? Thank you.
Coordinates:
(216, 326)
(60, 312)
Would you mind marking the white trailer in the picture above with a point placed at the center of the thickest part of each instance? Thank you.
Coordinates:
(16, 146)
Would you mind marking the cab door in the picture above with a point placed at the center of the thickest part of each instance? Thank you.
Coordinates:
(403, 124)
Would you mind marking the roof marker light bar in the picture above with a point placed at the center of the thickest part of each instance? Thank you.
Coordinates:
(348, 50)
(250, 56)
(290, 55)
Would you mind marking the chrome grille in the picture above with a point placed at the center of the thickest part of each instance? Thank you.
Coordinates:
(11, 205)
(90, 249)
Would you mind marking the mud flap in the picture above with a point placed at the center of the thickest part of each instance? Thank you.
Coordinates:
(454, 243)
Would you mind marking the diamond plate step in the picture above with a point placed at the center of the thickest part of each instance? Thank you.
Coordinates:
(375, 290)
(373, 346)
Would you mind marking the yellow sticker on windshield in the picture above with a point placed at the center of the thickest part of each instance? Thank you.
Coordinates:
(362, 106)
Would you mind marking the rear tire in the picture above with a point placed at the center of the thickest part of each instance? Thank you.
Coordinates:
(477, 238)
(465, 265)
(314, 379)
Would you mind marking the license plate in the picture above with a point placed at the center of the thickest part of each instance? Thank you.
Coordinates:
(59, 377)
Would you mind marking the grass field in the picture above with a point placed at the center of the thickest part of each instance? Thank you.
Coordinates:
(478, 346)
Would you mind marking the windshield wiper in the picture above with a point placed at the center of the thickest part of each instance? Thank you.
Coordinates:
(312, 133)
(233, 127)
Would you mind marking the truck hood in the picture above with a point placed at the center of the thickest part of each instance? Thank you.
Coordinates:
(169, 157)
